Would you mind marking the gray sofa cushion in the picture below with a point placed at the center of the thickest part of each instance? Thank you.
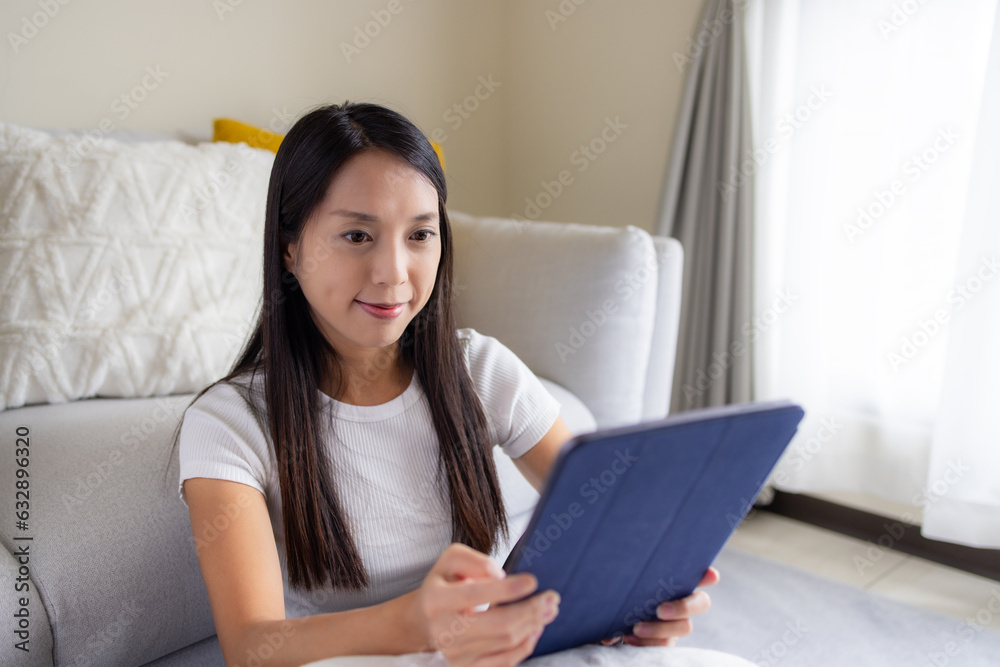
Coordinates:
(206, 653)
(39, 634)
(114, 559)
(585, 298)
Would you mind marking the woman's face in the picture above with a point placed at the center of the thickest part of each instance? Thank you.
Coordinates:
(367, 257)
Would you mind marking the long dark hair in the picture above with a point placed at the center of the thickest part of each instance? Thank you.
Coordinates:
(296, 359)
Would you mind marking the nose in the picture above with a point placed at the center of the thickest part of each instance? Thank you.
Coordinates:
(389, 262)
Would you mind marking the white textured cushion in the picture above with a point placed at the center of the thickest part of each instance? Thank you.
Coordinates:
(127, 269)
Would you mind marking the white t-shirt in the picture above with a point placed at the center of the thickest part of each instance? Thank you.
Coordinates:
(384, 462)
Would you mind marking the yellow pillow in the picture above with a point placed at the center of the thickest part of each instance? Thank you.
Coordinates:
(440, 151)
(234, 132)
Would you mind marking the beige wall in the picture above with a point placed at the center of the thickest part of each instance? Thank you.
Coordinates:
(608, 59)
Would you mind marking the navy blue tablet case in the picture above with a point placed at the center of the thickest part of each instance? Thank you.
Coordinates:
(633, 516)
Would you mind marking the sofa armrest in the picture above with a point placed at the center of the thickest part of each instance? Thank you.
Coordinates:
(576, 303)
(663, 356)
(113, 557)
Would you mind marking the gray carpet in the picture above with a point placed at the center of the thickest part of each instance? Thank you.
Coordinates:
(773, 614)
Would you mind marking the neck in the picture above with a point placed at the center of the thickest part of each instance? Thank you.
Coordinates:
(375, 378)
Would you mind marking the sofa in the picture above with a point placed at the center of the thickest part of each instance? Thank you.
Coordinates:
(98, 565)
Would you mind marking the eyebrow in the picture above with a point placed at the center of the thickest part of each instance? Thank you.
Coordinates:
(365, 217)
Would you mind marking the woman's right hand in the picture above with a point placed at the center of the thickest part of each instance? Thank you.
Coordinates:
(501, 636)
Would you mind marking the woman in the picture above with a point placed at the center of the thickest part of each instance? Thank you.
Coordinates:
(340, 480)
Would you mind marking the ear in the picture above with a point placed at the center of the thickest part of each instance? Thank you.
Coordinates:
(290, 256)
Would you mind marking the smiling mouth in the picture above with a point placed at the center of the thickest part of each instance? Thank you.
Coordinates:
(386, 311)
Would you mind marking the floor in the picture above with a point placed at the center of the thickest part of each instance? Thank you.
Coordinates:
(895, 575)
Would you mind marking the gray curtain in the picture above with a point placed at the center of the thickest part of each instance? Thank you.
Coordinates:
(707, 206)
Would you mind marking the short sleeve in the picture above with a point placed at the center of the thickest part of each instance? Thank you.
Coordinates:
(518, 407)
(221, 439)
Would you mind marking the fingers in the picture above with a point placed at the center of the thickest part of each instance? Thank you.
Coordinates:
(711, 577)
(659, 633)
(674, 621)
(472, 593)
(516, 621)
(505, 628)
(673, 618)
(504, 634)
(632, 640)
(460, 561)
(696, 603)
(513, 656)
(500, 633)
(471, 579)
(663, 629)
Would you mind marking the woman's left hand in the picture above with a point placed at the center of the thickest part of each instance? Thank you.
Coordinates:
(674, 618)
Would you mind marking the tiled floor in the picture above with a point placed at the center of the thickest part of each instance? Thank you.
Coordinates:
(895, 575)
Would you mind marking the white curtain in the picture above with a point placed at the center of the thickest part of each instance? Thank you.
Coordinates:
(876, 144)
(966, 445)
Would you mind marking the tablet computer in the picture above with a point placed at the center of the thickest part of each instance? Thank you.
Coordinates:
(633, 516)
